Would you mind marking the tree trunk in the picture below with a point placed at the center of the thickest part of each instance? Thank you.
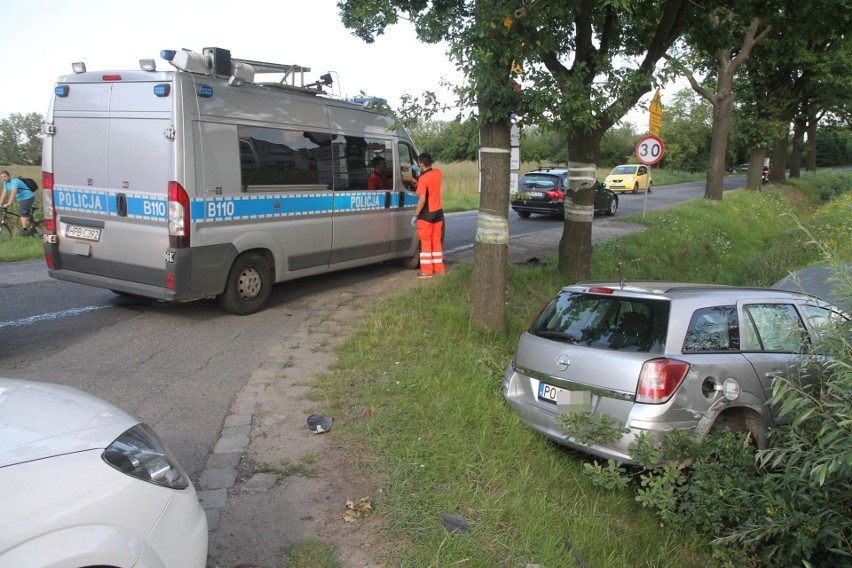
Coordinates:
(798, 143)
(722, 104)
(778, 160)
(754, 177)
(575, 247)
(811, 129)
(491, 245)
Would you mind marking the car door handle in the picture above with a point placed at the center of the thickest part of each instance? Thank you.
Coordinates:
(775, 374)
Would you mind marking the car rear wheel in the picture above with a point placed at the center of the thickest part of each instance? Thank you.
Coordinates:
(248, 286)
(746, 421)
(613, 206)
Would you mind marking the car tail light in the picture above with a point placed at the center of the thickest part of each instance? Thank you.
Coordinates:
(179, 216)
(555, 194)
(659, 380)
(47, 201)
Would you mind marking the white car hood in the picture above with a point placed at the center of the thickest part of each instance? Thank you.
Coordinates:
(41, 420)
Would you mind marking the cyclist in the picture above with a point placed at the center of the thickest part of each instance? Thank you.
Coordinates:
(18, 190)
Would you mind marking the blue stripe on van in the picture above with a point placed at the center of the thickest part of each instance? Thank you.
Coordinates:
(226, 208)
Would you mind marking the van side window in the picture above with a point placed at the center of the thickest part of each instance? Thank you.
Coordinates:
(774, 327)
(352, 161)
(269, 156)
(408, 166)
(713, 329)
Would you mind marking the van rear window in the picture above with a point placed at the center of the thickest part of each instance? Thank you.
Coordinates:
(605, 322)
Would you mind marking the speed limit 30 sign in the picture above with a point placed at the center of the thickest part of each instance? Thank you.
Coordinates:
(650, 150)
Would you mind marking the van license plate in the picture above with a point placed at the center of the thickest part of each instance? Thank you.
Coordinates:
(85, 233)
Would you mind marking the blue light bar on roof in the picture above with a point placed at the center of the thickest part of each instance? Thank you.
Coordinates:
(168, 54)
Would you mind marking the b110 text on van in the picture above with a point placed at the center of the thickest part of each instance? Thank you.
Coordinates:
(199, 182)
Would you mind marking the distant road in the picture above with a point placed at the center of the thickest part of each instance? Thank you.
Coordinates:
(461, 227)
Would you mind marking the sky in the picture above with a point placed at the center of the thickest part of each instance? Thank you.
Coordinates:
(41, 38)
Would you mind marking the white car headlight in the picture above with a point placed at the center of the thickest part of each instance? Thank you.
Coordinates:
(141, 454)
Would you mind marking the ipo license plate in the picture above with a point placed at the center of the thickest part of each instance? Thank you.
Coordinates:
(84, 233)
(565, 400)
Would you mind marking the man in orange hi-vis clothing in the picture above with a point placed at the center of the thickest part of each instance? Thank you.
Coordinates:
(429, 218)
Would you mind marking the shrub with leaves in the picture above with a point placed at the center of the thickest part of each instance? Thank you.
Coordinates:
(804, 505)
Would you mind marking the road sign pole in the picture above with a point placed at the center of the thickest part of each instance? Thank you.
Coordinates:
(649, 151)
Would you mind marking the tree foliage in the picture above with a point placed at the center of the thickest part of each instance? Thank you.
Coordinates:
(20, 139)
(447, 141)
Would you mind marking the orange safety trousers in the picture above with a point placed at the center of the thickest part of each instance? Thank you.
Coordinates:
(431, 251)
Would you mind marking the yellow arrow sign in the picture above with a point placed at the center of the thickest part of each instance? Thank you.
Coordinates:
(656, 110)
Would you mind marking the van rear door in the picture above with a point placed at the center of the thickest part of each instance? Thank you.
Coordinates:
(112, 162)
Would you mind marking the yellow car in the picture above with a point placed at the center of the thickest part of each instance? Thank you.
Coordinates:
(629, 177)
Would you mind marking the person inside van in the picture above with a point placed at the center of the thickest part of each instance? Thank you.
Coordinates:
(378, 177)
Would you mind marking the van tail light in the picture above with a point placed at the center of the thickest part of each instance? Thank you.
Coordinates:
(47, 201)
(659, 380)
(179, 216)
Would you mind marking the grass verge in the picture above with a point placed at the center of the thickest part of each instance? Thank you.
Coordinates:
(417, 394)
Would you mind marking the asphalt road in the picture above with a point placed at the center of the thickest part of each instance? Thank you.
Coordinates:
(461, 227)
(178, 367)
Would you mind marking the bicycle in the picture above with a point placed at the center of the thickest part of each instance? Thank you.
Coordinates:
(8, 227)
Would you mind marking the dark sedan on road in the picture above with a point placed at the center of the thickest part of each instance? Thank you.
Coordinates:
(542, 191)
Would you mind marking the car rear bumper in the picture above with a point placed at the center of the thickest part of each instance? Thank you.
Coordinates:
(542, 418)
(542, 208)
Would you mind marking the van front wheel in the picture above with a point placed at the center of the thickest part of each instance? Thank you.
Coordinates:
(249, 285)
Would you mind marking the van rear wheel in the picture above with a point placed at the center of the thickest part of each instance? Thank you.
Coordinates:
(248, 286)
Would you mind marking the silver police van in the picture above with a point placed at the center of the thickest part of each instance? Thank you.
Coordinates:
(201, 181)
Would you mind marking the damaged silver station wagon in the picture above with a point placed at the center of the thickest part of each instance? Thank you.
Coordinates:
(660, 356)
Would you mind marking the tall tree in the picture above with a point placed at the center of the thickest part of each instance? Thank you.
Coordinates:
(20, 139)
(483, 46)
(805, 56)
(724, 34)
(586, 64)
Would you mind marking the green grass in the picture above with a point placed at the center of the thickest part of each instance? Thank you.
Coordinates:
(442, 440)
(311, 553)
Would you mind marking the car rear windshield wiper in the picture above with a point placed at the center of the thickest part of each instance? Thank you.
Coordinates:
(561, 335)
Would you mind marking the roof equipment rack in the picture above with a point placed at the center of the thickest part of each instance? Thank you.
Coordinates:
(218, 62)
